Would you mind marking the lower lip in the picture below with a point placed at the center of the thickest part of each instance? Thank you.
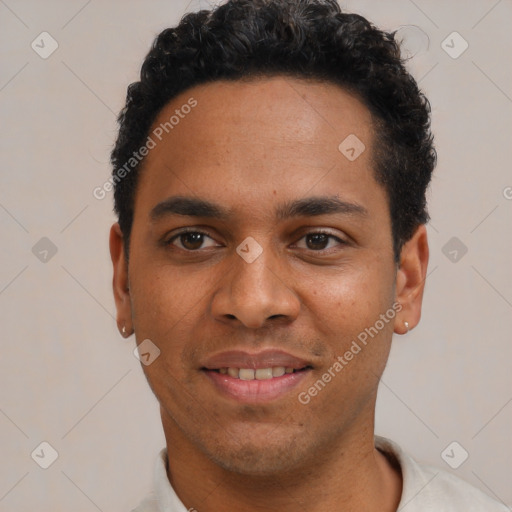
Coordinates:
(256, 391)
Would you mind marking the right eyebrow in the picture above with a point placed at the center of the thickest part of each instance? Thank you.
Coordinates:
(189, 207)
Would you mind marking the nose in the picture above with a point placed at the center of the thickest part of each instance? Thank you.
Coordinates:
(254, 294)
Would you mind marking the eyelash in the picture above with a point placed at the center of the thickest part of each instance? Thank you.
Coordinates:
(199, 232)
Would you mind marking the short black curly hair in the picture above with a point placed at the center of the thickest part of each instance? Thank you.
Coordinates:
(309, 39)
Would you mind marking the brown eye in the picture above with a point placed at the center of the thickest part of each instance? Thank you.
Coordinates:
(191, 240)
(319, 241)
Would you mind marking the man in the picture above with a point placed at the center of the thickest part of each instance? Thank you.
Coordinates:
(270, 175)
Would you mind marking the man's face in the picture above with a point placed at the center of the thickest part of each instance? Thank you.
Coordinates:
(324, 275)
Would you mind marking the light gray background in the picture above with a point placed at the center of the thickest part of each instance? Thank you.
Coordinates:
(68, 378)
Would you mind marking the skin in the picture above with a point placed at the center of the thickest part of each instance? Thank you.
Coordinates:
(275, 140)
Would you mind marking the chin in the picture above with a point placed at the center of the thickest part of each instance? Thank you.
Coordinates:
(262, 459)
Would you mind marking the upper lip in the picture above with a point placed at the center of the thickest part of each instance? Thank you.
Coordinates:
(265, 359)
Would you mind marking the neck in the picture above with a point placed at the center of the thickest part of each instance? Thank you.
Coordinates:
(352, 475)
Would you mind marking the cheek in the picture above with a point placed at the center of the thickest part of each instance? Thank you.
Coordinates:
(347, 316)
(162, 299)
(351, 299)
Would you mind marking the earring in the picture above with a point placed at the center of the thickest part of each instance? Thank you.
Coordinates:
(406, 326)
(123, 330)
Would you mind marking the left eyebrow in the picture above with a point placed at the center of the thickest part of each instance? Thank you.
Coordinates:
(307, 207)
(315, 206)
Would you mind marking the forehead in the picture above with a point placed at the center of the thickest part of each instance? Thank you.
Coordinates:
(251, 140)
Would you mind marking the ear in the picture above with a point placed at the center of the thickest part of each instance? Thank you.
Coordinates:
(120, 281)
(410, 280)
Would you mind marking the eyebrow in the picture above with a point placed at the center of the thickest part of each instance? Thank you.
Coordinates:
(306, 207)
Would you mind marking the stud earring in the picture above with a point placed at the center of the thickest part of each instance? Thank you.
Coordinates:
(123, 330)
(406, 326)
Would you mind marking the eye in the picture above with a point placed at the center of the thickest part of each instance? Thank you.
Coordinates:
(191, 240)
(319, 241)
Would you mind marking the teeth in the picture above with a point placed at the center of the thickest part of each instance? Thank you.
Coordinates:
(264, 373)
(233, 372)
(259, 374)
(246, 374)
(278, 371)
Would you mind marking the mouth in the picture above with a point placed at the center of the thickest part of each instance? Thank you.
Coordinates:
(271, 372)
(255, 378)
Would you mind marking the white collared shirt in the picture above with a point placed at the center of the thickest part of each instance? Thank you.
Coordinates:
(425, 488)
